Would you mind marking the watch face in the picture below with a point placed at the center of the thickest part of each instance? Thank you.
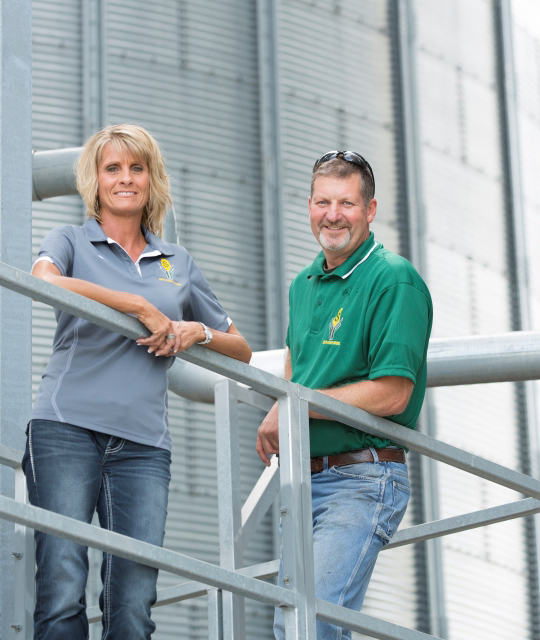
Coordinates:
(207, 334)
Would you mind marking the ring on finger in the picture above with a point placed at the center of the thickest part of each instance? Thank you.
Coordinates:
(170, 336)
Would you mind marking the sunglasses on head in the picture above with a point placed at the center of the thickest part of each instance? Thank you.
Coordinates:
(349, 156)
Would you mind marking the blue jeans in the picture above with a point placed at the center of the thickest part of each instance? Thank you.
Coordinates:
(74, 471)
(356, 510)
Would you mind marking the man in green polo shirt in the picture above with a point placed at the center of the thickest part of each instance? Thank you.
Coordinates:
(359, 325)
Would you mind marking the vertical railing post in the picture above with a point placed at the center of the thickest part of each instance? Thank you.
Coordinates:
(215, 614)
(296, 518)
(229, 502)
(15, 310)
(23, 553)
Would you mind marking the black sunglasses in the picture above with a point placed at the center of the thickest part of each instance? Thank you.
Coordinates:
(349, 156)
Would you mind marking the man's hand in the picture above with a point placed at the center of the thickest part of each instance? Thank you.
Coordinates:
(268, 436)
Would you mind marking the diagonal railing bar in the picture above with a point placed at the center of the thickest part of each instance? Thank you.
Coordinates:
(411, 535)
(143, 552)
(269, 384)
(73, 303)
(482, 518)
(373, 627)
(10, 457)
(255, 399)
(262, 385)
(359, 419)
(259, 500)
(189, 590)
(362, 420)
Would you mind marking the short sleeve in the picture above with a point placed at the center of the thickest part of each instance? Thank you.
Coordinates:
(203, 305)
(57, 246)
(399, 327)
(287, 337)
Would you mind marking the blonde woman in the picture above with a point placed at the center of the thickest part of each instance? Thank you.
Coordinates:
(98, 436)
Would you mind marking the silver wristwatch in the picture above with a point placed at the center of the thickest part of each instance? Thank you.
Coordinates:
(207, 333)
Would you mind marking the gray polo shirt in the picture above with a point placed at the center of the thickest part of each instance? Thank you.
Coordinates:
(98, 379)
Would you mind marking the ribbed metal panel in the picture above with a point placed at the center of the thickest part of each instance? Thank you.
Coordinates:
(485, 571)
(188, 71)
(335, 93)
(57, 122)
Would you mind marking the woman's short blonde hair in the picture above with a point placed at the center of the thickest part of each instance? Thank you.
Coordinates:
(141, 145)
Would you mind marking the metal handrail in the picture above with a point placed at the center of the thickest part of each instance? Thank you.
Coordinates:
(298, 598)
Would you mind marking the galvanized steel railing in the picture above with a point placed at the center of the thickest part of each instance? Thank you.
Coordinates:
(226, 585)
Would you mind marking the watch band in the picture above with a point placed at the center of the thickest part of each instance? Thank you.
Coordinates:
(207, 333)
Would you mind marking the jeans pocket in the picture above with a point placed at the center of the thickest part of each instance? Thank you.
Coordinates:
(394, 504)
(369, 471)
(401, 493)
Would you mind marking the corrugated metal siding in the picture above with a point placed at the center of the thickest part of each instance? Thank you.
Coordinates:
(336, 92)
(57, 122)
(333, 97)
(485, 570)
(187, 70)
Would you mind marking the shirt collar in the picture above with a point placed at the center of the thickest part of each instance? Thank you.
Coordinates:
(354, 260)
(95, 233)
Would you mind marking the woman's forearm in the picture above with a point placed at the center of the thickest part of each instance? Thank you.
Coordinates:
(119, 300)
(231, 344)
(155, 321)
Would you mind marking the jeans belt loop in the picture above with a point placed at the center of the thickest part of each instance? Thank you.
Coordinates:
(374, 454)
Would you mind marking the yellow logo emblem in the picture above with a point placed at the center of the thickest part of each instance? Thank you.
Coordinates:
(335, 324)
(168, 270)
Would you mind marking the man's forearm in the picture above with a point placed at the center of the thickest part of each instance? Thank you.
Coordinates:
(383, 397)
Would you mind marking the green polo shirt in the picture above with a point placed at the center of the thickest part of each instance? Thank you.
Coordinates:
(369, 318)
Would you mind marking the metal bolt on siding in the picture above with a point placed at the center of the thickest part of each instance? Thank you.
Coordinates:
(18, 555)
(284, 511)
(17, 627)
(286, 580)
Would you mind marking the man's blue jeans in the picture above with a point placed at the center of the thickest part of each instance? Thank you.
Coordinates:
(356, 510)
(74, 471)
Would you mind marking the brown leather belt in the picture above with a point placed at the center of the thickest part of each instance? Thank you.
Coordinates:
(352, 457)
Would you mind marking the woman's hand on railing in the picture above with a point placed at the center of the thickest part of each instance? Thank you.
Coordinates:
(186, 334)
(160, 327)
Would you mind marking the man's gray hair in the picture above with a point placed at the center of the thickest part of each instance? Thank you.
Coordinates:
(341, 168)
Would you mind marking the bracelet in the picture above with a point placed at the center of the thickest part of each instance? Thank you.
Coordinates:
(207, 333)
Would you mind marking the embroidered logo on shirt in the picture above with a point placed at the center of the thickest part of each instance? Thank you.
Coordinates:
(335, 324)
(168, 270)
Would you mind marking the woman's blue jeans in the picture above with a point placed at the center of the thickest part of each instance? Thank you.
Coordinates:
(74, 471)
(356, 511)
